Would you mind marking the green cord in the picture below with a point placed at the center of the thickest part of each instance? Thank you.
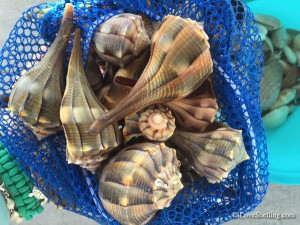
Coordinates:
(19, 186)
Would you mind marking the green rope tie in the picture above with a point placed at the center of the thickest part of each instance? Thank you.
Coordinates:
(19, 186)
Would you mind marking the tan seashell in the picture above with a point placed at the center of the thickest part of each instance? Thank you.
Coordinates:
(155, 123)
(290, 74)
(37, 95)
(270, 22)
(180, 62)
(290, 55)
(262, 31)
(138, 181)
(214, 153)
(121, 38)
(286, 96)
(280, 38)
(268, 47)
(276, 117)
(79, 108)
(270, 84)
(196, 111)
(292, 33)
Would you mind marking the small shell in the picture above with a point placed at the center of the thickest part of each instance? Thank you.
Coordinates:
(290, 55)
(121, 38)
(270, 84)
(276, 117)
(296, 42)
(212, 154)
(268, 46)
(262, 31)
(138, 181)
(286, 96)
(280, 38)
(180, 62)
(290, 74)
(196, 111)
(270, 22)
(155, 124)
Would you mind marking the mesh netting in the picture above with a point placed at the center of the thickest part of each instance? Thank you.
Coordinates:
(237, 56)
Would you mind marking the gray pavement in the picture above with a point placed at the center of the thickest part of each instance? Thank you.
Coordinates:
(280, 199)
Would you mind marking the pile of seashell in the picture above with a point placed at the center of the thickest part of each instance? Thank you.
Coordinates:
(280, 86)
(146, 90)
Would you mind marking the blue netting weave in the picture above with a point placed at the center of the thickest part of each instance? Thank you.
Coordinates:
(237, 56)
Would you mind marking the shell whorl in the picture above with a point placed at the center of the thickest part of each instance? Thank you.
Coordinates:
(138, 181)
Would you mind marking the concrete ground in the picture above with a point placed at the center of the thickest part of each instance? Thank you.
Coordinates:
(280, 199)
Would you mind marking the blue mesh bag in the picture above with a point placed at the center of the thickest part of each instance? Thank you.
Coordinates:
(237, 56)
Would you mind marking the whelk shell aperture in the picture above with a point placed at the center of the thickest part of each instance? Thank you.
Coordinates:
(179, 63)
(79, 108)
(138, 181)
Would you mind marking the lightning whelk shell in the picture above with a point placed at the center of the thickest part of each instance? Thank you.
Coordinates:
(214, 153)
(270, 22)
(138, 181)
(121, 38)
(79, 108)
(179, 63)
(37, 95)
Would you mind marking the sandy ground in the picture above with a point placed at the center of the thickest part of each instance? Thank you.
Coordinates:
(280, 199)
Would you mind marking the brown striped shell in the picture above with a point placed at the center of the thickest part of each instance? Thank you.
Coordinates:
(121, 38)
(179, 63)
(37, 95)
(138, 181)
(214, 153)
(78, 110)
(154, 123)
